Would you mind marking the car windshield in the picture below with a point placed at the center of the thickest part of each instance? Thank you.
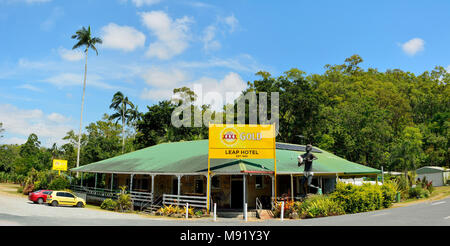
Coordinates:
(37, 191)
(47, 192)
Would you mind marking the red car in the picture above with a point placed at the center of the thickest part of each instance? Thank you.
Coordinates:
(39, 196)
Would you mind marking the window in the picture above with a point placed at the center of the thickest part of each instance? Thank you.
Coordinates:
(69, 195)
(259, 182)
(199, 186)
(60, 194)
(215, 182)
(47, 192)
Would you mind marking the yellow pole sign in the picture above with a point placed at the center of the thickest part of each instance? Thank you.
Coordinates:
(240, 141)
(59, 165)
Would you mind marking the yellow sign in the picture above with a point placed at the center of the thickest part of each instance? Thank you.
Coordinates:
(60, 165)
(241, 141)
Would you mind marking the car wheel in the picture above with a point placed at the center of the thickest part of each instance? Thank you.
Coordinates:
(55, 203)
(80, 205)
(40, 201)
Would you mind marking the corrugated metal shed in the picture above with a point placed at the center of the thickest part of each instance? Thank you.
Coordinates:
(191, 157)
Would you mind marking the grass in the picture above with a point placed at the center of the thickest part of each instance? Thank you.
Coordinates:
(438, 193)
(10, 189)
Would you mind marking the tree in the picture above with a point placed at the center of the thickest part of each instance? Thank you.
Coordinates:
(1, 129)
(407, 150)
(126, 115)
(84, 39)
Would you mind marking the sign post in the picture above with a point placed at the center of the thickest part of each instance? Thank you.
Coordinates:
(240, 141)
(59, 165)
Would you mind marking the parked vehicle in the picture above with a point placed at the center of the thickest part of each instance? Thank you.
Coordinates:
(64, 198)
(39, 196)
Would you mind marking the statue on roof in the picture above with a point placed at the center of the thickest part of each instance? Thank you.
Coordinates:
(307, 160)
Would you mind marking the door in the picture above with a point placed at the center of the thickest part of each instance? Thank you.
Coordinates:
(70, 199)
(61, 198)
(237, 194)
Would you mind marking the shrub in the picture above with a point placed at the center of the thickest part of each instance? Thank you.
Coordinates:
(356, 199)
(109, 204)
(389, 190)
(288, 208)
(124, 200)
(59, 183)
(318, 206)
(418, 192)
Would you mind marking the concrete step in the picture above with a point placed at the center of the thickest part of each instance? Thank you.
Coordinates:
(236, 214)
(266, 214)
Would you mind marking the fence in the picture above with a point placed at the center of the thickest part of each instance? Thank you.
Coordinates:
(194, 201)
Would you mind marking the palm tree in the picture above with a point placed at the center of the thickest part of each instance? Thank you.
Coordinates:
(84, 39)
(126, 115)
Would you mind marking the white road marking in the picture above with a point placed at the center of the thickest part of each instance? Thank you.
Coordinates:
(446, 218)
(437, 203)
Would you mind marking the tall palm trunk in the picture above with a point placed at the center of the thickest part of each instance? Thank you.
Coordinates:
(123, 125)
(81, 116)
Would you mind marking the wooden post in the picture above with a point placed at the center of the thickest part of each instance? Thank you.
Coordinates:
(244, 187)
(112, 180)
(95, 185)
(178, 188)
(81, 180)
(131, 183)
(208, 190)
(153, 184)
(153, 187)
(292, 187)
(275, 159)
(273, 190)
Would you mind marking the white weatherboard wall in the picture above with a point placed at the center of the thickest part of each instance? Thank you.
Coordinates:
(433, 173)
(437, 178)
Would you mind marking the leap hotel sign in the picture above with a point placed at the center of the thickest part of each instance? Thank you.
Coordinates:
(241, 141)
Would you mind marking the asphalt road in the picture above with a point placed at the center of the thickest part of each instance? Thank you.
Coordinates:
(19, 211)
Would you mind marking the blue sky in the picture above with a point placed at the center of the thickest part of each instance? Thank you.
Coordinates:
(153, 46)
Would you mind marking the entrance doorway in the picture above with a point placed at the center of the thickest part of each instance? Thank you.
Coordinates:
(237, 193)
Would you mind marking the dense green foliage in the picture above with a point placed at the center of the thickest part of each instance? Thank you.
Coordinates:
(364, 198)
(394, 119)
(109, 204)
(346, 199)
(318, 206)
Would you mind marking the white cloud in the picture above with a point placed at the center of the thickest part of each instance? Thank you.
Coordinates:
(70, 55)
(243, 62)
(209, 42)
(232, 22)
(14, 140)
(413, 46)
(30, 87)
(26, 1)
(49, 128)
(164, 78)
(140, 3)
(171, 35)
(156, 94)
(52, 19)
(122, 37)
(70, 79)
(213, 91)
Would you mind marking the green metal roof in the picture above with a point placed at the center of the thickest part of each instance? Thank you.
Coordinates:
(190, 157)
